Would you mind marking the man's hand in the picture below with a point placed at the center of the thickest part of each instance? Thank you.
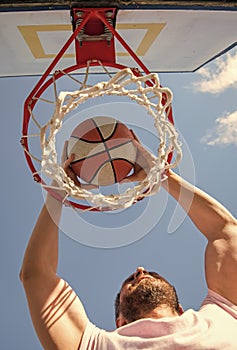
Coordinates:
(66, 164)
(144, 162)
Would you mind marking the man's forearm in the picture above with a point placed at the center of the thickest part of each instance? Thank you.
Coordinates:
(209, 216)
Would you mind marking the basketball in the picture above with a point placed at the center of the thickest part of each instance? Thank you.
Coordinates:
(104, 151)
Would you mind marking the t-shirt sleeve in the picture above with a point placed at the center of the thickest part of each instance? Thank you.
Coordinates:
(215, 298)
(89, 338)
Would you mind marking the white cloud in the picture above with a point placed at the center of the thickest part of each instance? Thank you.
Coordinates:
(224, 133)
(220, 77)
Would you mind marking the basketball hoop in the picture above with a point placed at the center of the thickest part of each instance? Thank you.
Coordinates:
(144, 90)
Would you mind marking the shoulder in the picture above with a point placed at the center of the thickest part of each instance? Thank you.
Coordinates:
(214, 303)
(89, 337)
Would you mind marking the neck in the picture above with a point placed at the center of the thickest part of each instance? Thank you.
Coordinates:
(160, 312)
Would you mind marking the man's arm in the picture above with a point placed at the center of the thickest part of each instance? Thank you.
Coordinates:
(56, 311)
(219, 227)
(210, 217)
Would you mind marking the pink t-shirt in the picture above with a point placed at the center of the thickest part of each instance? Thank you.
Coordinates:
(213, 327)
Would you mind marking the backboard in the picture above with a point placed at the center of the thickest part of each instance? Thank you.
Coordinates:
(168, 36)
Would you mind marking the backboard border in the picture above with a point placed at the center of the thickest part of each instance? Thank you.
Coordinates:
(29, 5)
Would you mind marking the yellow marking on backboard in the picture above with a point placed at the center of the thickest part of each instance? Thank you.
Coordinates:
(152, 32)
(30, 35)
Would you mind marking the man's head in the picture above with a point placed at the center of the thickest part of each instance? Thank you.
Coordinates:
(145, 294)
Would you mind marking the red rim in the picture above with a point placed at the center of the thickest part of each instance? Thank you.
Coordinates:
(32, 100)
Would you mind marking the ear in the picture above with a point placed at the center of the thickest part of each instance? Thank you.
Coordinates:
(120, 321)
(180, 310)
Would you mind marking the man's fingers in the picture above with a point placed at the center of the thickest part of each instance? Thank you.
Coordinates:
(130, 178)
(140, 148)
(68, 161)
(143, 155)
(71, 157)
(138, 175)
(134, 135)
(88, 186)
(64, 153)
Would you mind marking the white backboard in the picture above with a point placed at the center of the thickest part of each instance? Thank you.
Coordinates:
(165, 40)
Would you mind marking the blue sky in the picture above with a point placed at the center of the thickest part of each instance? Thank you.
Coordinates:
(205, 113)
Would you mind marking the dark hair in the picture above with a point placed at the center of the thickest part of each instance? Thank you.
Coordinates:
(116, 305)
(170, 294)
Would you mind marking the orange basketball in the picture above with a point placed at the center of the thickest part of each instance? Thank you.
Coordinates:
(104, 151)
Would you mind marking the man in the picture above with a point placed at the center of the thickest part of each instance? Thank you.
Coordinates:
(148, 314)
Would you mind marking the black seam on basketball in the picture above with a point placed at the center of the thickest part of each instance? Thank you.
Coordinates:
(86, 140)
(114, 172)
(100, 167)
(102, 138)
(91, 156)
(107, 150)
(111, 135)
(112, 159)
(113, 168)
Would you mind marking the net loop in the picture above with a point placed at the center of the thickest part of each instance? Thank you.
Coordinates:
(155, 99)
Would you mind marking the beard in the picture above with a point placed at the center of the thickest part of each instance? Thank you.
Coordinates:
(148, 295)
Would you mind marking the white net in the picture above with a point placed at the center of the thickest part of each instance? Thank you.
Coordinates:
(157, 102)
